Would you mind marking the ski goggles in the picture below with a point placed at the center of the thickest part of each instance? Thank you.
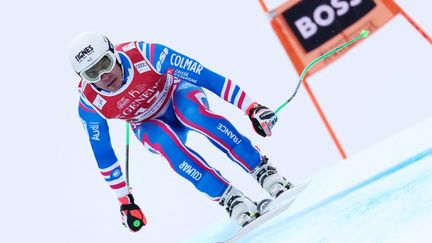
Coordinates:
(104, 64)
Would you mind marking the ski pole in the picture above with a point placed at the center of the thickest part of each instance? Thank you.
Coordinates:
(127, 157)
(363, 34)
(136, 222)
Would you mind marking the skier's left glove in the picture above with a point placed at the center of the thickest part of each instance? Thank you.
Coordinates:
(132, 216)
(263, 119)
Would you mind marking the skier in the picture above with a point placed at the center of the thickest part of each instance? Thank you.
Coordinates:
(158, 91)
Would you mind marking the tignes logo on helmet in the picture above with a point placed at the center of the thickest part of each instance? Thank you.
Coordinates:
(86, 51)
(91, 55)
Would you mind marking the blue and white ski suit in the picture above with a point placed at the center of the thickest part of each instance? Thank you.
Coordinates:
(163, 99)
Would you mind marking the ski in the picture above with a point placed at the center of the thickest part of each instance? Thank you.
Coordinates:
(269, 208)
(268, 204)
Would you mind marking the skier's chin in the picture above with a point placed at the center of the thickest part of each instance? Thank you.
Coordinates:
(114, 85)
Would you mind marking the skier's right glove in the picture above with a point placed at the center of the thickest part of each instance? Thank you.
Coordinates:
(132, 216)
(263, 119)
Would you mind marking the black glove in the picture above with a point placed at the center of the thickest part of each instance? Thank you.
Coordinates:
(132, 216)
(263, 119)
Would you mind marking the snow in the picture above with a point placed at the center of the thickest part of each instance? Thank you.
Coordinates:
(351, 202)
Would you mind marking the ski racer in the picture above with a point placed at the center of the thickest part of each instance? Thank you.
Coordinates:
(159, 92)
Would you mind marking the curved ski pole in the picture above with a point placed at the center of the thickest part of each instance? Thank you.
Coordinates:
(363, 34)
(127, 157)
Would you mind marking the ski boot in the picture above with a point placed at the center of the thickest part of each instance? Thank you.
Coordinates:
(268, 177)
(239, 207)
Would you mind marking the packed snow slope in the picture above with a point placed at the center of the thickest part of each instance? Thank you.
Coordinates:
(383, 194)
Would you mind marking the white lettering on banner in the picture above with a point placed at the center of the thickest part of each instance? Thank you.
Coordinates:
(122, 102)
(190, 170)
(229, 133)
(153, 97)
(185, 63)
(324, 15)
(139, 100)
(128, 47)
(94, 128)
(181, 73)
(161, 60)
(144, 97)
(99, 102)
(133, 92)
